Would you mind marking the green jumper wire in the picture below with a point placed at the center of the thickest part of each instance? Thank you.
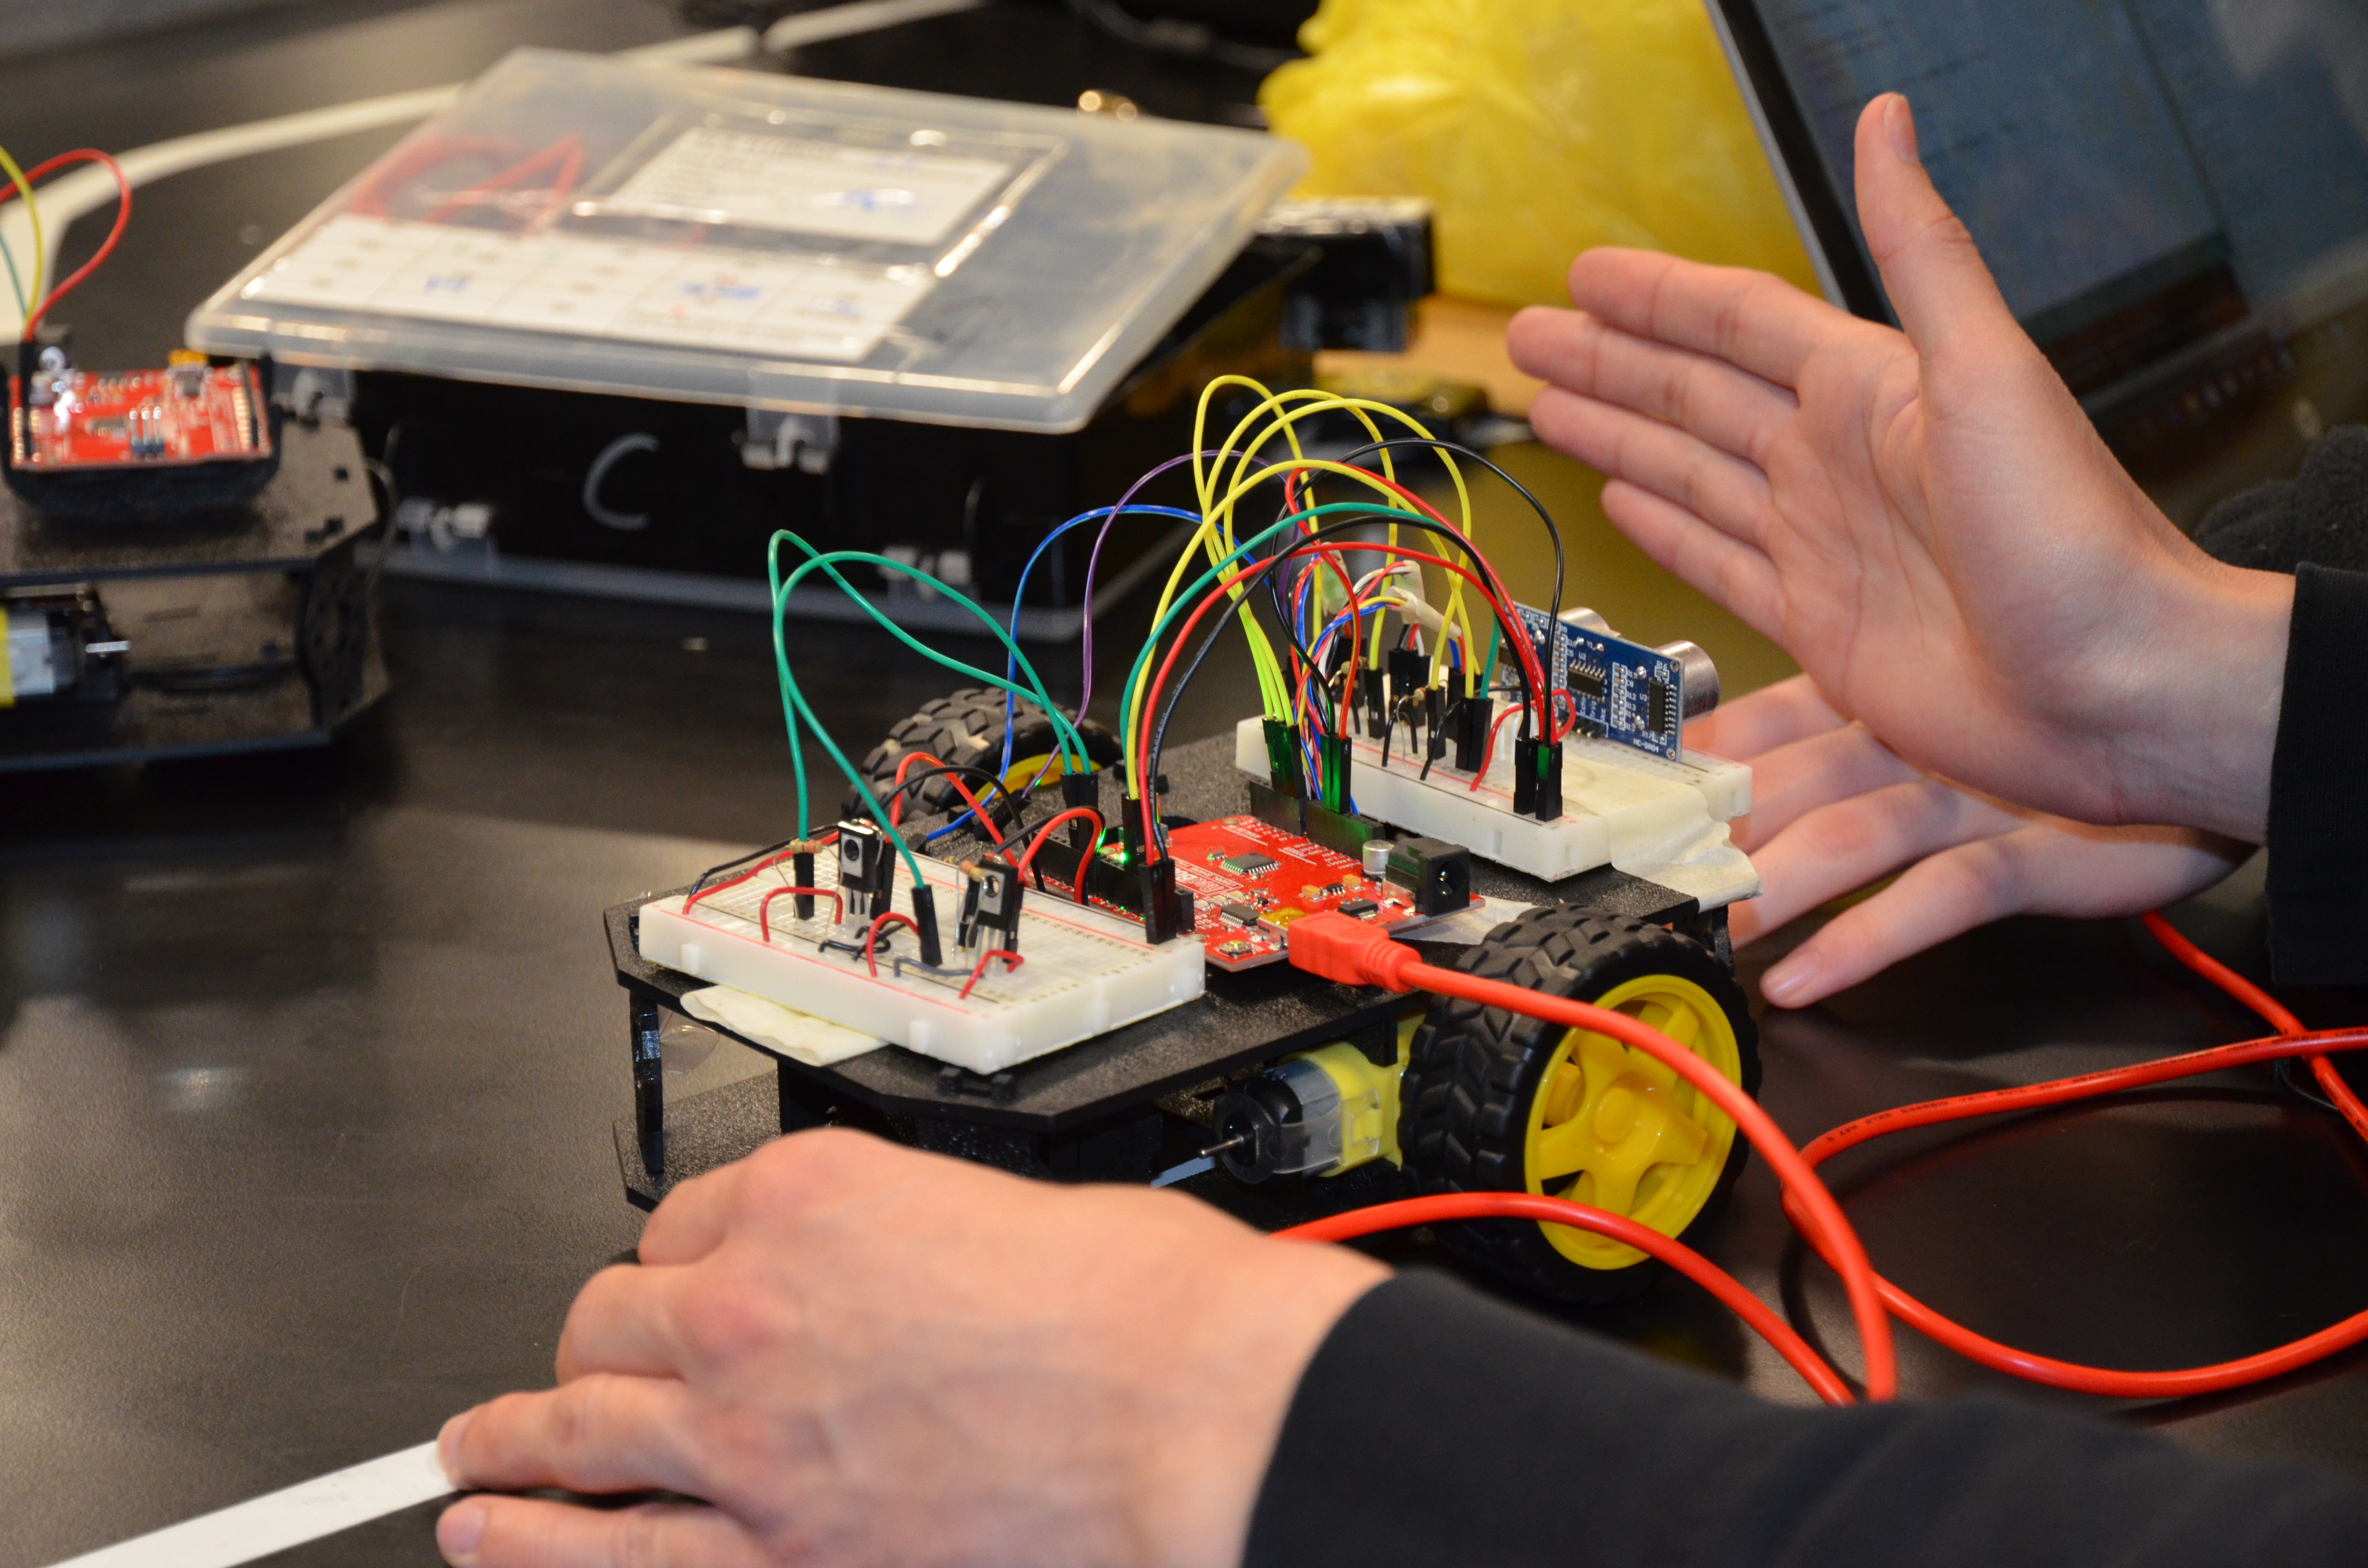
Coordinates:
(1071, 743)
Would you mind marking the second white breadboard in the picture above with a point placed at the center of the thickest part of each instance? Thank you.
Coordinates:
(1650, 817)
(1082, 973)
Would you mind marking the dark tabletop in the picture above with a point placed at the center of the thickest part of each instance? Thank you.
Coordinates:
(310, 1062)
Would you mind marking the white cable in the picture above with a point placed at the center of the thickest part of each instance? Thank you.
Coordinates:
(277, 1520)
(865, 15)
(87, 190)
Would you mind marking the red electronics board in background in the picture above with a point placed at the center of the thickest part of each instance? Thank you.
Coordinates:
(81, 421)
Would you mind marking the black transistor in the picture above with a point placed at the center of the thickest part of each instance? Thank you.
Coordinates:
(867, 868)
(991, 898)
(1409, 673)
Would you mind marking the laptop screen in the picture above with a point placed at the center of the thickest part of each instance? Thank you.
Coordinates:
(2173, 194)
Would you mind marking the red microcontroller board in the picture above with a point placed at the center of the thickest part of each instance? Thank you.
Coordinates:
(82, 421)
(1250, 879)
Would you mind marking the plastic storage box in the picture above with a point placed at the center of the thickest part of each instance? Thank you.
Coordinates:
(727, 236)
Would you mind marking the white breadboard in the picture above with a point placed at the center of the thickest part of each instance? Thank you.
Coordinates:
(1650, 817)
(1083, 974)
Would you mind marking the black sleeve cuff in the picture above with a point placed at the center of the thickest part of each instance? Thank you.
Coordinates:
(2319, 516)
(2319, 786)
(1435, 1426)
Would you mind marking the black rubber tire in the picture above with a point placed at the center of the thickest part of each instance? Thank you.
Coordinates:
(1473, 1072)
(964, 729)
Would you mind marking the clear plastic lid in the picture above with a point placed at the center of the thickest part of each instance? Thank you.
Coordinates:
(728, 236)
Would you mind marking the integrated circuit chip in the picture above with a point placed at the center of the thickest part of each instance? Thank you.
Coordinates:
(1661, 703)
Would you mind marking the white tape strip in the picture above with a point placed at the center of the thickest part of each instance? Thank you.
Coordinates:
(277, 1520)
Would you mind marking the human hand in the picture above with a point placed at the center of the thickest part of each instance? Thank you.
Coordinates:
(1833, 810)
(1926, 520)
(856, 1353)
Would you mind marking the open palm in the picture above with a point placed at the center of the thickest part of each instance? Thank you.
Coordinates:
(1925, 519)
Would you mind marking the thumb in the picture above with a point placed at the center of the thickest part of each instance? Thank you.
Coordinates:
(1945, 296)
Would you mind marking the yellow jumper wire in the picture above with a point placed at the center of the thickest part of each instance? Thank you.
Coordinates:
(40, 248)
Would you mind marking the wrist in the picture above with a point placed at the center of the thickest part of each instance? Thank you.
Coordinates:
(1255, 1329)
(2198, 751)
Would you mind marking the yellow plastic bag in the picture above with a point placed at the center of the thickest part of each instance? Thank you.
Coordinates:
(1537, 128)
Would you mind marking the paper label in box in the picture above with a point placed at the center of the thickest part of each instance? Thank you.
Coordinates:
(806, 187)
(698, 297)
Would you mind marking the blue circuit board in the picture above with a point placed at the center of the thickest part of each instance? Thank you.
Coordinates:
(1621, 690)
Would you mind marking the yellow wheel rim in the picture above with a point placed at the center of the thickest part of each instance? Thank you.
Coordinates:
(1612, 1127)
(1026, 771)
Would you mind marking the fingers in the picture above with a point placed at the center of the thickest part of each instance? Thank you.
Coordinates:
(1945, 296)
(691, 1223)
(1751, 320)
(623, 1321)
(1841, 847)
(1722, 490)
(1795, 780)
(1761, 720)
(2048, 867)
(1942, 896)
(598, 1434)
(1729, 408)
(1737, 576)
(520, 1532)
(2087, 872)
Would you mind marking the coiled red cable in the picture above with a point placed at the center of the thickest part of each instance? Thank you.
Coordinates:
(1824, 1228)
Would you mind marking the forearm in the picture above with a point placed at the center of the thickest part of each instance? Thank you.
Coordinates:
(1436, 1426)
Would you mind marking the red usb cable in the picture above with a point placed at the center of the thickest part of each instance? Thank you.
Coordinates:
(1343, 949)
(1348, 950)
